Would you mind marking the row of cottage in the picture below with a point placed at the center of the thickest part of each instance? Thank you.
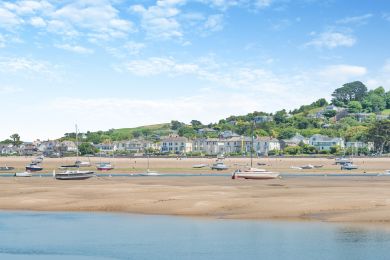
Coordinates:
(180, 145)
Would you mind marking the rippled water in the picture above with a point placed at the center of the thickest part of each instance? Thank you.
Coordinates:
(29, 235)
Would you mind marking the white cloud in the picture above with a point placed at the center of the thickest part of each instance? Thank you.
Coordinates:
(98, 16)
(134, 48)
(2, 41)
(160, 20)
(155, 66)
(37, 22)
(28, 7)
(362, 19)
(8, 19)
(9, 89)
(26, 66)
(74, 48)
(214, 23)
(343, 72)
(263, 3)
(332, 40)
(386, 16)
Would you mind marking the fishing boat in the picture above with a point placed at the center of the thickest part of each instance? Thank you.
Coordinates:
(23, 174)
(104, 166)
(219, 166)
(6, 168)
(73, 175)
(33, 167)
(349, 166)
(255, 174)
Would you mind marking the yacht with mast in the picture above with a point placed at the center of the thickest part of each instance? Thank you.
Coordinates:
(254, 173)
(74, 174)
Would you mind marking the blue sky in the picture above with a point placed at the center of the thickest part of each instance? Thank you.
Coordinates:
(116, 63)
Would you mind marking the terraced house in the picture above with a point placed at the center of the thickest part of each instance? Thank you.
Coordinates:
(324, 143)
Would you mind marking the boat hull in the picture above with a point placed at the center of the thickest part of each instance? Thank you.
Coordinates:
(74, 176)
(23, 174)
(34, 169)
(7, 168)
(255, 175)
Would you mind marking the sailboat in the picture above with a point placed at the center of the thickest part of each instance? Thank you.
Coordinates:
(148, 171)
(74, 174)
(104, 166)
(254, 173)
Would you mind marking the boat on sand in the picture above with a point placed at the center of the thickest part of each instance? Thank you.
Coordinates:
(255, 174)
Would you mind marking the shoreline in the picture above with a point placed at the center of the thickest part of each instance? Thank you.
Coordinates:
(185, 165)
(340, 200)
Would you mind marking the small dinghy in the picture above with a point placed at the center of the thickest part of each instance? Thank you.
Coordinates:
(23, 174)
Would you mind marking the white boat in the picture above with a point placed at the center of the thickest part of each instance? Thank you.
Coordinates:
(105, 166)
(150, 173)
(349, 166)
(343, 160)
(307, 167)
(23, 174)
(83, 163)
(255, 174)
(219, 166)
(73, 175)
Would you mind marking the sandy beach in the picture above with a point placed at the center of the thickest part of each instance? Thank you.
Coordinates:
(184, 165)
(339, 199)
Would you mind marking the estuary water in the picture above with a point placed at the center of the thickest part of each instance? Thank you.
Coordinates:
(36, 235)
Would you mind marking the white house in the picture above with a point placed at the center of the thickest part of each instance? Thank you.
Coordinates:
(107, 148)
(358, 145)
(176, 145)
(322, 142)
(295, 140)
(263, 145)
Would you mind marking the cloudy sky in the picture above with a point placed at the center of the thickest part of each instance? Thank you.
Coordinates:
(122, 63)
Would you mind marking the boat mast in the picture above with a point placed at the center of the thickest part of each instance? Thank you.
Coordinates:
(77, 145)
(252, 146)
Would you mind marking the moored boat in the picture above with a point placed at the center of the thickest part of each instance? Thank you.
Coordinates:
(73, 175)
(219, 166)
(104, 166)
(6, 168)
(23, 174)
(255, 174)
(32, 167)
(349, 166)
(198, 166)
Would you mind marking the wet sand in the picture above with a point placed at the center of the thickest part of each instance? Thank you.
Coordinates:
(184, 165)
(339, 199)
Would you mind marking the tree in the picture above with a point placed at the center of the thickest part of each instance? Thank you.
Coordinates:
(175, 125)
(354, 107)
(16, 140)
(196, 124)
(280, 116)
(353, 91)
(379, 133)
(292, 150)
(87, 148)
(329, 113)
(375, 101)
